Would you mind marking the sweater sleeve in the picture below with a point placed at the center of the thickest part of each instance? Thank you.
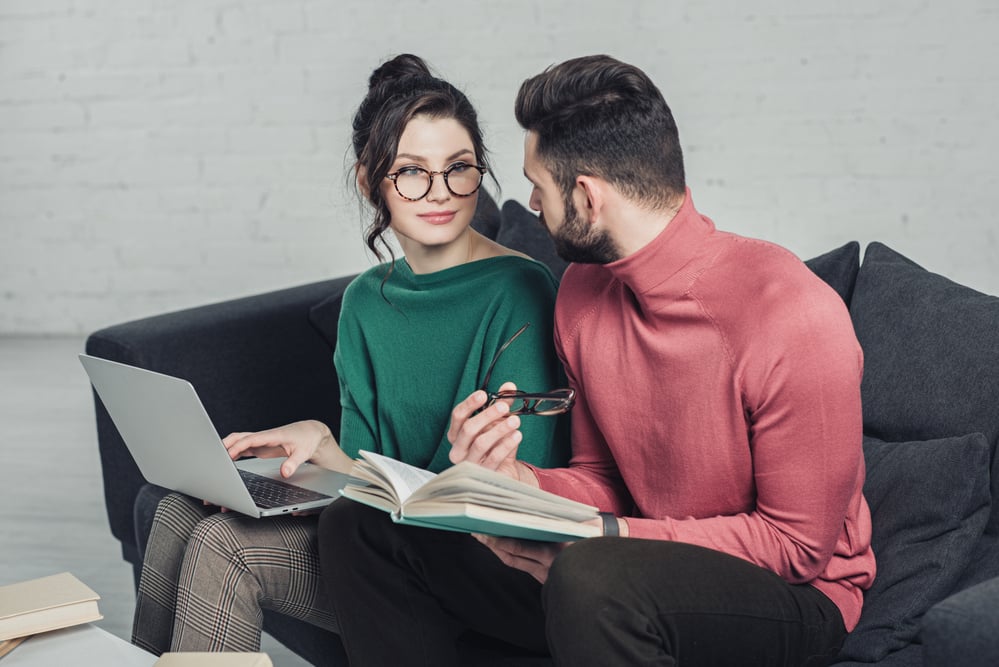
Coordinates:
(530, 362)
(592, 476)
(801, 392)
(358, 428)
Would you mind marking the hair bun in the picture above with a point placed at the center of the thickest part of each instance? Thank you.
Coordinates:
(402, 66)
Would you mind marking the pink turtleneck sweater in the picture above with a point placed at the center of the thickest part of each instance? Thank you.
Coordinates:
(719, 405)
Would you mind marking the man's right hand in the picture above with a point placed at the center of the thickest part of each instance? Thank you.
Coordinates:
(489, 437)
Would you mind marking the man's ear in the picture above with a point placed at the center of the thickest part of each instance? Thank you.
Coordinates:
(590, 197)
(362, 180)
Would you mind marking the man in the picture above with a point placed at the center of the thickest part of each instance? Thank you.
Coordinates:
(718, 426)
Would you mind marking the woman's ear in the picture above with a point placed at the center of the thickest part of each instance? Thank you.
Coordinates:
(362, 180)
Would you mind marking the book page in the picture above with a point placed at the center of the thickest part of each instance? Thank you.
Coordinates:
(471, 477)
(486, 496)
(404, 478)
(370, 495)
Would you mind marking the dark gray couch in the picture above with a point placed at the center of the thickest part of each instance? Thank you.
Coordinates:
(931, 418)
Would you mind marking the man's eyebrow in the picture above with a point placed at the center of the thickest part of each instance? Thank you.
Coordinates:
(420, 158)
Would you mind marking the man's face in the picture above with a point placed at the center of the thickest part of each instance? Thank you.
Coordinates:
(575, 239)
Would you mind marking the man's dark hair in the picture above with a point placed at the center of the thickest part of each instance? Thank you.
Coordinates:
(598, 116)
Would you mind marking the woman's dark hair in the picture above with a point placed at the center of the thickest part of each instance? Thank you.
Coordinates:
(601, 117)
(399, 90)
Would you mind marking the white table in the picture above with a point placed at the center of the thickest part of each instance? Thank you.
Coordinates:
(79, 646)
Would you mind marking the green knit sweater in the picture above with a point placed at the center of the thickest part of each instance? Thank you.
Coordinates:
(411, 349)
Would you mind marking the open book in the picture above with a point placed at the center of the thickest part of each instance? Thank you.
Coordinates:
(49, 603)
(467, 498)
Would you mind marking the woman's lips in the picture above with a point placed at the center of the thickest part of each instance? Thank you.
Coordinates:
(438, 217)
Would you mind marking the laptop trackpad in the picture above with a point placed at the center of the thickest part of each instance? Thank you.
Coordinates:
(308, 475)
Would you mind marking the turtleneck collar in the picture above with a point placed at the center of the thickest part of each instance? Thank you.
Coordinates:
(666, 254)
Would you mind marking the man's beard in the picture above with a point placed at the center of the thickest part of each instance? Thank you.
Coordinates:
(577, 241)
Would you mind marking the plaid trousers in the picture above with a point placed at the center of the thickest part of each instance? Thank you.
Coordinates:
(207, 577)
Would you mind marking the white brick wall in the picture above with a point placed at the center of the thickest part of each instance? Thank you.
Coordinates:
(160, 154)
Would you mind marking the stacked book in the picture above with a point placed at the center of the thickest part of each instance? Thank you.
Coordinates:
(40, 605)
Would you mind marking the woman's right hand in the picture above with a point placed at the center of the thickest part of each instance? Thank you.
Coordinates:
(302, 441)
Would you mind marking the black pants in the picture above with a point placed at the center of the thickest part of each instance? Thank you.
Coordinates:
(403, 595)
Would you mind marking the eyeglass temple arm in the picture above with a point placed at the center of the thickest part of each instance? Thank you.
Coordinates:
(499, 353)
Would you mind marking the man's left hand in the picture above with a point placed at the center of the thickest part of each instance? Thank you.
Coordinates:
(534, 558)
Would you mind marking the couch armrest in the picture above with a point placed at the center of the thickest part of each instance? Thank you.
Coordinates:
(256, 362)
(964, 628)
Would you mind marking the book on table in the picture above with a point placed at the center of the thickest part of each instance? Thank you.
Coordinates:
(203, 659)
(48, 603)
(467, 498)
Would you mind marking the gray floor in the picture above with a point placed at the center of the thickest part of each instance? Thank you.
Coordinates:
(51, 499)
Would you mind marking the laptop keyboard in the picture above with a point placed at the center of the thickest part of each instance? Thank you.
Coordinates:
(268, 493)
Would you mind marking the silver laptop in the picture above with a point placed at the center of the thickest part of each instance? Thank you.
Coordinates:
(172, 439)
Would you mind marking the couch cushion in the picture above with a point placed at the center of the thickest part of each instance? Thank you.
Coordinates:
(931, 354)
(324, 316)
(487, 219)
(521, 230)
(929, 503)
(838, 268)
(910, 656)
(964, 629)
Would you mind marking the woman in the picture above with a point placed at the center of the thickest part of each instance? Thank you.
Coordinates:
(416, 335)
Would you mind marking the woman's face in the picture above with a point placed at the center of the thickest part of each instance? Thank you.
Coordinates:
(440, 218)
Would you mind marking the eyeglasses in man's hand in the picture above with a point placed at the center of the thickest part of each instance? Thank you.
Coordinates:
(545, 404)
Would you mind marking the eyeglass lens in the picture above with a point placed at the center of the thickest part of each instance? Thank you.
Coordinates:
(542, 407)
(461, 179)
